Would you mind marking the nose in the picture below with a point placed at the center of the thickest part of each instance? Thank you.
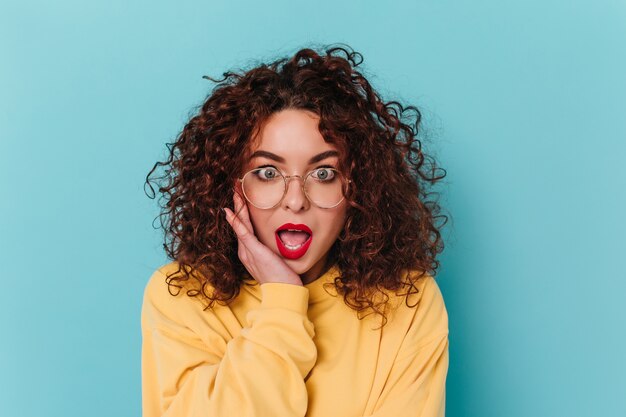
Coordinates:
(295, 199)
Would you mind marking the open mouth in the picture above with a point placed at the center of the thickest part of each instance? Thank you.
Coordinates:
(293, 240)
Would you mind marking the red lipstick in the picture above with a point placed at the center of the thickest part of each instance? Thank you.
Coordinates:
(291, 253)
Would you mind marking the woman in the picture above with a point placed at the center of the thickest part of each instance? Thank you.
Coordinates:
(315, 294)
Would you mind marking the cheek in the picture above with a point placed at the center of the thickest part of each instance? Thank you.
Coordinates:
(257, 220)
(337, 223)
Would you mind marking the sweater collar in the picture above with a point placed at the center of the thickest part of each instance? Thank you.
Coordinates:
(320, 289)
(323, 287)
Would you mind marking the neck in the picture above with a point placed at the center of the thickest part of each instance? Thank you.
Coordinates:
(317, 271)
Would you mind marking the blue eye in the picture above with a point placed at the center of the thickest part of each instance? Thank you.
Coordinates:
(324, 174)
(266, 173)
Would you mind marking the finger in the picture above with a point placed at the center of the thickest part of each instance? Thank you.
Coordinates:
(240, 229)
(244, 214)
(243, 236)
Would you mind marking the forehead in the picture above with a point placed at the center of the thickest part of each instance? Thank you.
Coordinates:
(292, 134)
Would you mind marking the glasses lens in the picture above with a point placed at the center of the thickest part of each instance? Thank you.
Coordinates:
(264, 187)
(324, 186)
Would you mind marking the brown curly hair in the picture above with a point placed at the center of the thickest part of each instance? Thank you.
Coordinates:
(393, 224)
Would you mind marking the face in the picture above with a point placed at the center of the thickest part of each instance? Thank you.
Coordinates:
(294, 138)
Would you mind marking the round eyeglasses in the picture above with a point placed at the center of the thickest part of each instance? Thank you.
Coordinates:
(265, 187)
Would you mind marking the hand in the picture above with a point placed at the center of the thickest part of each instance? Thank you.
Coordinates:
(263, 264)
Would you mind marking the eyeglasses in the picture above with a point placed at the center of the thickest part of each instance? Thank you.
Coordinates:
(265, 187)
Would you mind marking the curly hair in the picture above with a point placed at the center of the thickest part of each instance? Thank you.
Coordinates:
(393, 223)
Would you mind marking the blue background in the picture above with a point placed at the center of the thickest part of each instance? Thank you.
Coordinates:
(523, 104)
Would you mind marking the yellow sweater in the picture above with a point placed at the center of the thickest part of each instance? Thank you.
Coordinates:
(282, 350)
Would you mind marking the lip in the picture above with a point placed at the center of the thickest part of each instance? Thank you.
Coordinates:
(302, 227)
(297, 253)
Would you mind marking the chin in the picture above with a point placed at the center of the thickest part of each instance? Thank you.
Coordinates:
(299, 266)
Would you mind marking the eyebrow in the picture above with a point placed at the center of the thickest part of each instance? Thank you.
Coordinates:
(316, 158)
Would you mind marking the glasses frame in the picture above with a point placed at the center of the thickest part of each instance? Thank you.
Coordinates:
(287, 178)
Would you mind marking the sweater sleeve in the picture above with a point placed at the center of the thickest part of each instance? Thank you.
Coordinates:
(259, 372)
(417, 381)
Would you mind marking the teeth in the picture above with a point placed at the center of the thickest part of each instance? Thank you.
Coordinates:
(293, 247)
